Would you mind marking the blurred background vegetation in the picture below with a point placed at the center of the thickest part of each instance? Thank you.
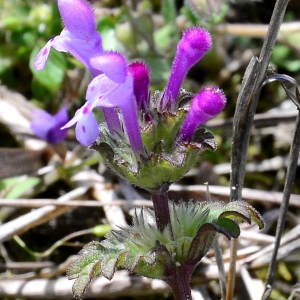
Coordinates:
(149, 31)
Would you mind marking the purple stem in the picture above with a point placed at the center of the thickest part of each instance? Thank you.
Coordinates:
(179, 281)
(178, 277)
(160, 201)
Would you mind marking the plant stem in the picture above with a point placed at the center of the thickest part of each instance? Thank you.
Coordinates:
(232, 269)
(289, 182)
(160, 201)
(179, 281)
(244, 114)
(178, 277)
(248, 99)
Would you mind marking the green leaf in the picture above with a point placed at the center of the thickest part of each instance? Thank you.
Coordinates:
(16, 187)
(81, 284)
(241, 211)
(228, 227)
(90, 254)
(202, 242)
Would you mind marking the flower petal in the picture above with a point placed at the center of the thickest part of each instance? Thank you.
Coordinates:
(97, 89)
(112, 64)
(75, 119)
(56, 134)
(42, 56)
(78, 18)
(41, 124)
(104, 92)
(47, 127)
(87, 130)
(82, 50)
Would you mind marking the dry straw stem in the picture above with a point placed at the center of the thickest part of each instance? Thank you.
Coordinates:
(290, 178)
(196, 192)
(256, 30)
(243, 119)
(37, 216)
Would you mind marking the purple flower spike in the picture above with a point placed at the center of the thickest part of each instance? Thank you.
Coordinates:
(47, 127)
(79, 37)
(193, 45)
(141, 80)
(207, 104)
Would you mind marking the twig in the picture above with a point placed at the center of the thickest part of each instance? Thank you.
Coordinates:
(260, 120)
(26, 265)
(113, 213)
(282, 253)
(37, 217)
(289, 182)
(289, 237)
(255, 30)
(248, 99)
(176, 190)
(243, 118)
(57, 244)
(122, 285)
(254, 286)
(73, 203)
(197, 192)
(232, 269)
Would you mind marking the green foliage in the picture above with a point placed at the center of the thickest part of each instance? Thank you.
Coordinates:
(205, 12)
(283, 57)
(15, 187)
(22, 23)
(144, 250)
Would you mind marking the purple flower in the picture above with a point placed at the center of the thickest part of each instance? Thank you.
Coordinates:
(205, 105)
(141, 80)
(79, 37)
(111, 89)
(47, 127)
(112, 86)
(193, 45)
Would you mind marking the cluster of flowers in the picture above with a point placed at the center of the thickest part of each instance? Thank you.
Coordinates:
(152, 141)
(122, 89)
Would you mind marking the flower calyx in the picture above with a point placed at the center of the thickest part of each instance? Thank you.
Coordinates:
(166, 157)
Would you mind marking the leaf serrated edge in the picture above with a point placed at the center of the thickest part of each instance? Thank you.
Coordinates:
(90, 277)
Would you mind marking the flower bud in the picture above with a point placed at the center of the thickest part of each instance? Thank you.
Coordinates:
(141, 79)
(207, 104)
(193, 45)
